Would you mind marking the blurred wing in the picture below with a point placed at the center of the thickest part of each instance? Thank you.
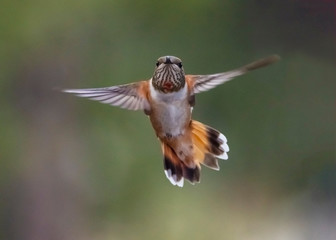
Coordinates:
(202, 83)
(129, 96)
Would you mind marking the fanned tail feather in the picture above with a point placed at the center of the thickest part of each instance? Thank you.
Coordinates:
(208, 145)
(209, 141)
(176, 170)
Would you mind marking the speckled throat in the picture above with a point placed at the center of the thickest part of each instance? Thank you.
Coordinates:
(168, 78)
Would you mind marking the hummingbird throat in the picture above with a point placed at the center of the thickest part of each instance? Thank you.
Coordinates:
(168, 86)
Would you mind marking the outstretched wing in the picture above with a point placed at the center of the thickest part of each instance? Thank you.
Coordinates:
(131, 96)
(202, 83)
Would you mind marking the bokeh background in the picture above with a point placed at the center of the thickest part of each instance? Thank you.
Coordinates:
(77, 169)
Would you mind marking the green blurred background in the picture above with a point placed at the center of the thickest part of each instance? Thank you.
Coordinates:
(76, 169)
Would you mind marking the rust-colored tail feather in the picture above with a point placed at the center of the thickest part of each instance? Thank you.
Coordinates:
(208, 145)
(212, 142)
(176, 170)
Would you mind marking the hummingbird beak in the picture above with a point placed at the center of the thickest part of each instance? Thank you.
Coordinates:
(168, 60)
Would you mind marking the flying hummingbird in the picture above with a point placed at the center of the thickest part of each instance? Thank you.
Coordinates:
(168, 99)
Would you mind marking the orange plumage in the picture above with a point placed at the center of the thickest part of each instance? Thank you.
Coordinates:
(168, 99)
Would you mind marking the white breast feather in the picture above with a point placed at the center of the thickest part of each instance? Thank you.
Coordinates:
(168, 97)
(172, 107)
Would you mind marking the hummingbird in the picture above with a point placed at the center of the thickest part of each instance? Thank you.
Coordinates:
(168, 98)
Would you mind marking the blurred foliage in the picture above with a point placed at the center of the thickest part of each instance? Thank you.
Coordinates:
(76, 169)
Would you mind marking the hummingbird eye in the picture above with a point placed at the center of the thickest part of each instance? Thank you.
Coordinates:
(157, 63)
(179, 64)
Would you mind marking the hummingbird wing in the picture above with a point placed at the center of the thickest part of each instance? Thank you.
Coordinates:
(131, 96)
(202, 83)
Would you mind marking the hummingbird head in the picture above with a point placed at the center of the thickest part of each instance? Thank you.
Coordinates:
(168, 75)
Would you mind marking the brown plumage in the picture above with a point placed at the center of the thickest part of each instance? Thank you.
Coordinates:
(168, 98)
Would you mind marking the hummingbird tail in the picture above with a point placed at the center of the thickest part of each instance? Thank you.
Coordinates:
(209, 144)
(206, 145)
(176, 170)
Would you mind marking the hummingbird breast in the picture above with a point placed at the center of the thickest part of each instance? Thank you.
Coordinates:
(170, 112)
